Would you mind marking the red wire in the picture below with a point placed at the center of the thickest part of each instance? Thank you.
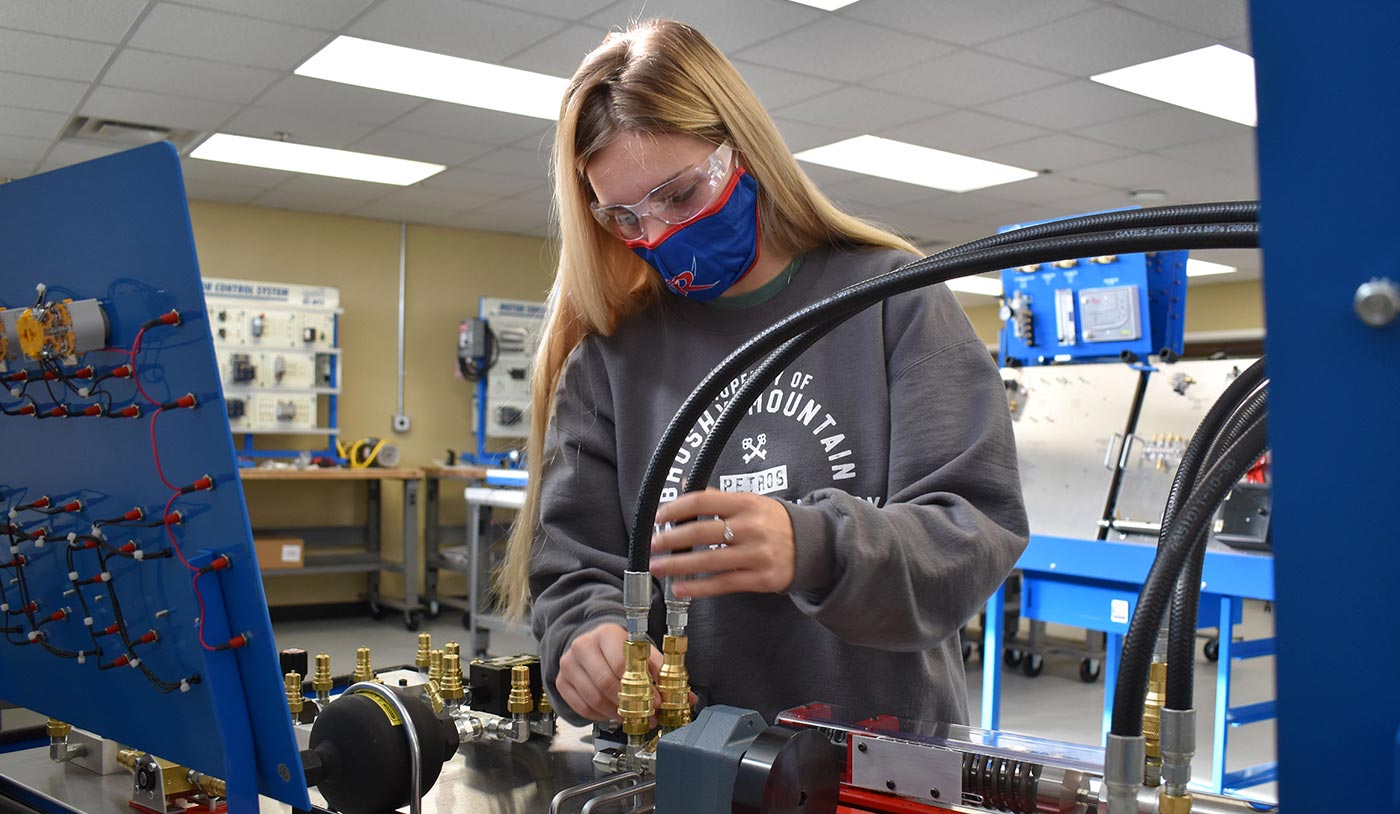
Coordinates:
(155, 452)
(200, 597)
(135, 374)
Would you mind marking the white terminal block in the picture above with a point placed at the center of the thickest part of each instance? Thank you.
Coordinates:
(73, 576)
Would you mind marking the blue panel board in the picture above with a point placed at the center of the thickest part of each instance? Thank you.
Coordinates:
(1160, 282)
(1328, 117)
(118, 230)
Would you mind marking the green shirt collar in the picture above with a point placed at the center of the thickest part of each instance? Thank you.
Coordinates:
(766, 292)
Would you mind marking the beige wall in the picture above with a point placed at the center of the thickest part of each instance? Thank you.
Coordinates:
(447, 270)
(1211, 307)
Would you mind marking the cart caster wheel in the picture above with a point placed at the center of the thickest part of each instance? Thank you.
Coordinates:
(1012, 658)
(376, 611)
(967, 652)
(1032, 665)
(466, 620)
(1089, 670)
(434, 609)
(412, 621)
(1212, 650)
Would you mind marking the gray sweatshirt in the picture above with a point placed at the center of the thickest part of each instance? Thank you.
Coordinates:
(889, 443)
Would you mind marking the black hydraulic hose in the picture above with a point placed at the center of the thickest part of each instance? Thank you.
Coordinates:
(914, 275)
(1196, 513)
(708, 456)
(1186, 596)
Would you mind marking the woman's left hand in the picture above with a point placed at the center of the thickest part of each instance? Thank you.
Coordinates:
(759, 554)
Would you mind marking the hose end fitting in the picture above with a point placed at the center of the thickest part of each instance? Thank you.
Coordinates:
(1122, 772)
(1178, 748)
(636, 603)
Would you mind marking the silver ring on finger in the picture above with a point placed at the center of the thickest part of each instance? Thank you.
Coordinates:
(728, 532)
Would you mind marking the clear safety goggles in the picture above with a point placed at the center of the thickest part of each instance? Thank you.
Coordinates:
(678, 200)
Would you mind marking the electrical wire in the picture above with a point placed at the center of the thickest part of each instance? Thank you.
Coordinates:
(927, 271)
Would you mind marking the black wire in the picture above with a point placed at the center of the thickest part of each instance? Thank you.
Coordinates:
(850, 300)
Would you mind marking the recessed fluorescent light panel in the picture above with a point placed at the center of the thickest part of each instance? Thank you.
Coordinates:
(381, 66)
(825, 5)
(1205, 268)
(282, 155)
(912, 164)
(976, 285)
(1217, 81)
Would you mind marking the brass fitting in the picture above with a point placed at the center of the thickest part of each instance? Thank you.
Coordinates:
(520, 702)
(212, 786)
(435, 665)
(454, 649)
(322, 682)
(544, 707)
(425, 646)
(363, 670)
(295, 702)
(1173, 803)
(434, 694)
(126, 758)
(634, 700)
(57, 729)
(452, 688)
(1152, 722)
(673, 684)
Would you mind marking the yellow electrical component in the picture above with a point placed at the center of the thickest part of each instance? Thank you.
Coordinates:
(60, 329)
(673, 684)
(425, 645)
(634, 700)
(520, 701)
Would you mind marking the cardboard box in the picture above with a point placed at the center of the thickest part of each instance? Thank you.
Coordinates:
(277, 553)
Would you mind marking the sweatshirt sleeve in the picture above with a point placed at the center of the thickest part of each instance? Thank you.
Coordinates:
(580, 545)
(906, 575)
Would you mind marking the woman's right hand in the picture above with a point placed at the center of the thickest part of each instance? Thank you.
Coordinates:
(590, 671)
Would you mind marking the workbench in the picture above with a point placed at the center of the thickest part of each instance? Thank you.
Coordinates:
(515, 778)
(1094, 584)
(356, 549)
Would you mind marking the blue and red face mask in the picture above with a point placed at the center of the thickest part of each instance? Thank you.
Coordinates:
(703, 257)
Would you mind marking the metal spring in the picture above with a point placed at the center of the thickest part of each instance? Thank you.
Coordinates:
(999, 783)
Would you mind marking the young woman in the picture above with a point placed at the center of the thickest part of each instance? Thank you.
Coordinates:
(870, 502)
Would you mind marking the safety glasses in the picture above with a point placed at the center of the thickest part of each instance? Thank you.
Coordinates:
(674, 202)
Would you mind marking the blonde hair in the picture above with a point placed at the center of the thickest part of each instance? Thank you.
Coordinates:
(658, 77)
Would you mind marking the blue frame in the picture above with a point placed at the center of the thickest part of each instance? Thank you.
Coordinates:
(1327, 173)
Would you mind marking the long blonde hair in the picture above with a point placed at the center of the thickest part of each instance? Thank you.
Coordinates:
(659, 77)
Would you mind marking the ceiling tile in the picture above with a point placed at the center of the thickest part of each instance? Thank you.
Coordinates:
(560, 53)
(513, 161)
(881, 192)
(56, 57)
(1057, 151)
(220, 172)
(1046, 189)
(1140, 170)
(542, 142)
(966, 78)
(1071, 106)
(1219, 19)
(961, 22)
(261, 122)
(66, 153)
(1102, 39)
(23, 148)
(327, 15)
(15, 121)
(228, 193)
(962, 206)
(158, 109)
(480, 181)
(418, 147)
(1241, 44)
(40, 93)
(1169, 127)
(205, 34)
(729, 24)
(776, 88)
(563, 9)
(844, 50)
(1234, 153)
(964, 131)
(335, 100)
(462, 28)
(100, 20)
(1216, 186)
(470, 123)
(183, 76)
(11, 169)
(829, 178)
(802, 136)
(861, 109)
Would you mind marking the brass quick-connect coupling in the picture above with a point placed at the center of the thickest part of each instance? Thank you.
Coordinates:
(212, 786)
(363, 670)
(435, 665)
(425, 647)
(520, 702)
(295, 702)
(452, 690)
(634, 700)
(1152, 723)
(57, 729)
(1178, 747)
(673, 684)
(1174, 803)
(322, 682)
(1122, 772)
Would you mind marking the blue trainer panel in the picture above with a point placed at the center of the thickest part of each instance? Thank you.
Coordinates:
(1093, 309)
(1329, 113)
(118, 230)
